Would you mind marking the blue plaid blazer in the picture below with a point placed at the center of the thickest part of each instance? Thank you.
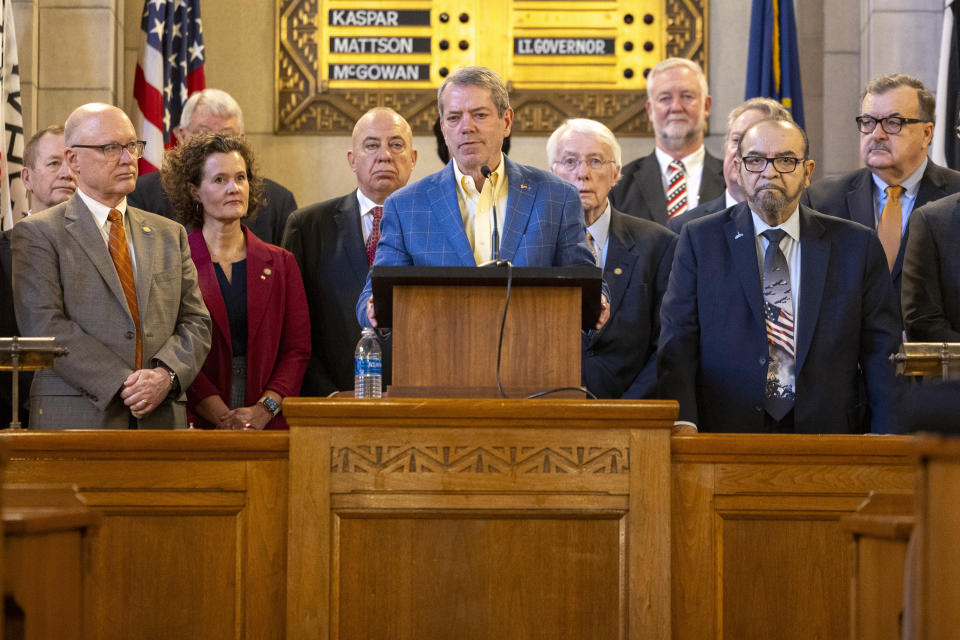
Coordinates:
(422, 225)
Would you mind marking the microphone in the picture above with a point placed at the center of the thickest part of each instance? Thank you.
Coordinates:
(486, 173)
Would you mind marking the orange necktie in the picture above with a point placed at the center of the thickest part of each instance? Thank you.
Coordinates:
(890, 225)
(121, 261)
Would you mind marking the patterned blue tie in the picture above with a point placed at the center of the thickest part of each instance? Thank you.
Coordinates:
(778, 312)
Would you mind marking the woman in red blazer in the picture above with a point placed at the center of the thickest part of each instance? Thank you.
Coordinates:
(253, 290)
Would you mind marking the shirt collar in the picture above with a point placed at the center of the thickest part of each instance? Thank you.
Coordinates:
(466, 186)
(664, 159)
(911, 185)
(729, 200)
(791, 226)
(100, 210)
(601, 227)
(366, 204)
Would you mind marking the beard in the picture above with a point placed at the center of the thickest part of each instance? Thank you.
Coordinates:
(677, 135)
(772, 202)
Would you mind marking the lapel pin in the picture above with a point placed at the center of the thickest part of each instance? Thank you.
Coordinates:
(523, 186)
(266, 272)
(146, 229)
(618, 271)
(738, 236)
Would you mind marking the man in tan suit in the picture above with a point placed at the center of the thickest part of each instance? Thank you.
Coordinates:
(115, 286)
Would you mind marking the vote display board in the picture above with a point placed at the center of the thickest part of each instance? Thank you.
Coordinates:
(560, 58)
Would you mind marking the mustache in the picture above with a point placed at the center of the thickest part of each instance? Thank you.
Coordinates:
(878, 147)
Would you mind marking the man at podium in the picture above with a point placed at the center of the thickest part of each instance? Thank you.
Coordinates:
(482, 206)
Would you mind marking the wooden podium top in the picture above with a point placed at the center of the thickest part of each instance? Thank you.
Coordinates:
(483, 412)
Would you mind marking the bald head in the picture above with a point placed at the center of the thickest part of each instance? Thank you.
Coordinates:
(382, 155)
(92, 134)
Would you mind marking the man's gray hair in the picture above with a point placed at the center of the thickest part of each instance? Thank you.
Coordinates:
(771, 109)
(214, 101)
(478, 77)
(587, 127)
(673, 63)
(883, 84)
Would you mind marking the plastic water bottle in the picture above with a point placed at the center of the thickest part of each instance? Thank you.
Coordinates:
(367, 366)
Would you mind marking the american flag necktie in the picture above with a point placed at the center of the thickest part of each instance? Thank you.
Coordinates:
(778, 312)
(120, 254)
(374, 236)
(676, 189)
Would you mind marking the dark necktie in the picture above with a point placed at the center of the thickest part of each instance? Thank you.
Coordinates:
(374, 236)
(676, 189)
(120, 254)
(778, 312)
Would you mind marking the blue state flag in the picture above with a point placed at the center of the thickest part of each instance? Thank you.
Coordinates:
(773, 67)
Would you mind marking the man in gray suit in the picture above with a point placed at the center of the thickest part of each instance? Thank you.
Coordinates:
(115, 286)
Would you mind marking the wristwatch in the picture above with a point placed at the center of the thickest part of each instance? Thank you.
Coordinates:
(174, 381)
(270, 405)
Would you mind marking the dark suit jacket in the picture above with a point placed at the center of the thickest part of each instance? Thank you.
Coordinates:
(422, 225)
(640, 189)
(327, 241)
(8, 328)
(620, 360)
(713, 206)
(278, 336)
(713, 346)
(277, 205)
(931, 273)
(850, 196)
(66, 286)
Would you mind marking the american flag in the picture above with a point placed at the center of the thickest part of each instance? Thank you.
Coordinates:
(169, 69)
(13, 195)
(779, 327)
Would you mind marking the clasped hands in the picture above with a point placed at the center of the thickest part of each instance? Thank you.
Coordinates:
(145, 389)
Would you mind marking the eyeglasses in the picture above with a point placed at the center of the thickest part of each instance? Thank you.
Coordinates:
(593, 163)
(890, 124)
(783, 164)
(112, 151)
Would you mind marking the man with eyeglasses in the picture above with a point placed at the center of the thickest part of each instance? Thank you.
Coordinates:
(620, 361)
(896, 126)
(775, 314)
(680, 173)
(115, 286)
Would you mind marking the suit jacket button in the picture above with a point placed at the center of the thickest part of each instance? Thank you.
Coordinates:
(131, 335)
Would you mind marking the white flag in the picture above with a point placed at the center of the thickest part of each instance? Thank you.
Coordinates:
(13, 195)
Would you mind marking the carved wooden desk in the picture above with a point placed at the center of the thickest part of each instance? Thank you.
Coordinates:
(479, 519)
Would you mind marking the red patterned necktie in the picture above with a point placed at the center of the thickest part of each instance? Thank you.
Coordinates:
(676, 189)
(121, 261)
(374, 236)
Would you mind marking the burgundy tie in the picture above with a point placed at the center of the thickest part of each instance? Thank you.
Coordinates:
(374, 236)
(124, 266)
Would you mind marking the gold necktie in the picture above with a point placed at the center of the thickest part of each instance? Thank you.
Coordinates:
(120, 254)
(890, 225)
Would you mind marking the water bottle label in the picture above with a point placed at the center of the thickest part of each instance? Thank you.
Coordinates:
(366, 366)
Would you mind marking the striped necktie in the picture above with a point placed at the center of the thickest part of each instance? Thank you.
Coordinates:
(120, 254)
(676, 189)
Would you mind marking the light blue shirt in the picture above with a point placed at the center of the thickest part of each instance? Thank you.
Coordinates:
(600, 232)
(911, 187)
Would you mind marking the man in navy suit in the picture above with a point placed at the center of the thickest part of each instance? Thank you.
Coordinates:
(620, 360)
(776, 315)
(741, 118)
(679, 174)
(896, 127)
(334, 240)
(446, 218)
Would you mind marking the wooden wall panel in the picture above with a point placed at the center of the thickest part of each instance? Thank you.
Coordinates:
(758, 551)
(193, 540)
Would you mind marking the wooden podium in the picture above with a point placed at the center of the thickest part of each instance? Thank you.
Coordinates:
(478, 519)
(446, 323)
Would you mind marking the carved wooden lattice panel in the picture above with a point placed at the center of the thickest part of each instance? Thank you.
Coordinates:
(560, 59)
